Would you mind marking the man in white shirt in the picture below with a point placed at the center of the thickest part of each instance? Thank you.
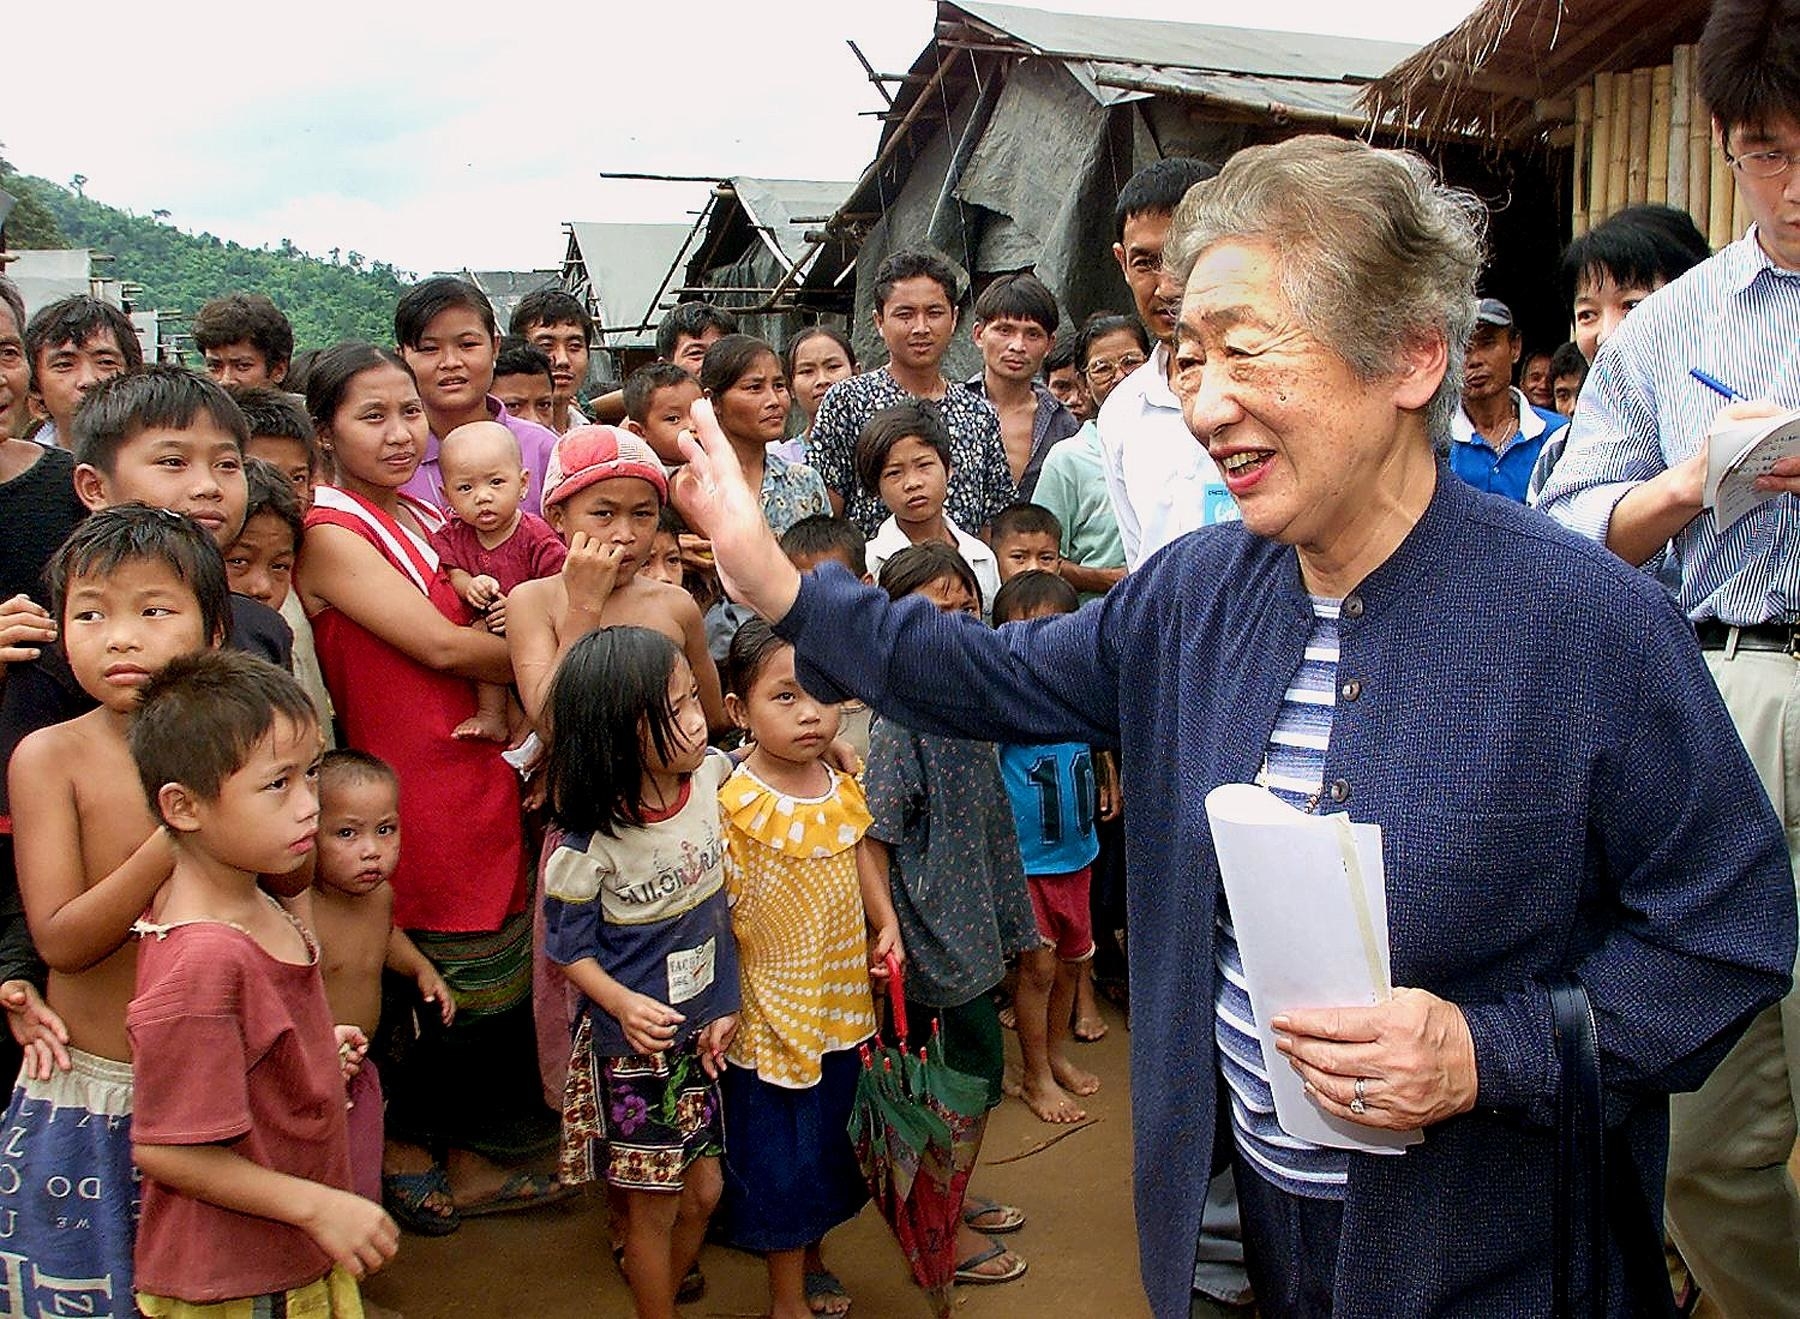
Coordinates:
(1161, 482)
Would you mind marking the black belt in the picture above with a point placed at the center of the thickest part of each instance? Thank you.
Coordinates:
(1784, 637)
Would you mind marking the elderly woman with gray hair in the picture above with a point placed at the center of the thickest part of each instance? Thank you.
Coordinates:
(1566, 812)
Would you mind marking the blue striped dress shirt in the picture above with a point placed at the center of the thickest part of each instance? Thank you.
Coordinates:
(1736, 317)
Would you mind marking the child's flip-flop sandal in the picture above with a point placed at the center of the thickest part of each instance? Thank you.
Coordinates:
(822, 1289)
(420, 1202)
(523, 1190)
(990, 1218)
(968, 1272)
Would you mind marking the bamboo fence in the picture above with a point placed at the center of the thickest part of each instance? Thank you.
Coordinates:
(1643, 135)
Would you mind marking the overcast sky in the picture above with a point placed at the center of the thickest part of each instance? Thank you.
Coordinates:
(452, 134)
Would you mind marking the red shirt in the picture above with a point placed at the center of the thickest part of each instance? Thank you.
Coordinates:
(233, 1047)
(531, 552)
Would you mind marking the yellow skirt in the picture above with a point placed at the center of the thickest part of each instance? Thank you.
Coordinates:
(335, 1296)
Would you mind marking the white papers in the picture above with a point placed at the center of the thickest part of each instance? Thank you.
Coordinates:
(1308, 901)
(1737, 453)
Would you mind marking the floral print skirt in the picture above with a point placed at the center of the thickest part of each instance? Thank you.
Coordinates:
(637, 1121)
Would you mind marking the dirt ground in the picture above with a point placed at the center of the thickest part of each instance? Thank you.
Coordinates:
(1079, 1240)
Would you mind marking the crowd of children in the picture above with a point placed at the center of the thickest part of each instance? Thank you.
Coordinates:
(407, 825)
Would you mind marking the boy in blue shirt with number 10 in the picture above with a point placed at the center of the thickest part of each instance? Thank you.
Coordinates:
(1053, 803)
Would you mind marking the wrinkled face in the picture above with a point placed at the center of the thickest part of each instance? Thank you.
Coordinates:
(1111, 358)
(454, 361)
(818, 365)
(1139, 254)
(1301, 440)
(1493, 351)
(688, 716)
(913, 480)
(15, 376)
(1774, 202)
(67, 371)
(290, 458)
(1601, 306)
(1534, 381)
(916, 323)
(754, 409)
(1012, 349)
(1069, 389)
(242, 363)
(265, 819)
(260, 562)
(484, 479)
(1026, 551)
(197, 470)
(359, 835)
(622, 511)
(667, 417)
(690, 349)
(1567, 389)
(787, 721)
(122, 627)
(664, 563)
(566, 345)
(528, 396)
(952, 596)
(378, 433)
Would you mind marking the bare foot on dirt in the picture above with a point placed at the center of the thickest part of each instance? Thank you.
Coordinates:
(1072, 1078)
(1051, 1102)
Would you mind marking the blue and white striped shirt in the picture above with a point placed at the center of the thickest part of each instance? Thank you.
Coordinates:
(1737, 317)
(1294, 770)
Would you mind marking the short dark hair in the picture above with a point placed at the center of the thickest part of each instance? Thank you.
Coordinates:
(1749, 62)
(346, 765)
(729, 358)
(134, 533)
(201, 717)
(822, 536)
(886, 428)
(550, 307)
(641, 387)
(1024, 520)
(1031, 592)
(270, 493)
(752, 647)
(329, 377)
(299, 369)
(690, 320)
(161, 397)
(245, 318)
(518, 358)
(1641, 246)
(75, 321)
(1101, 324)
(1157, 189)
(1061, 356)
(1019, 297)
(920, 565)
(611, 692)
(424, 302)
(275, 414)
(830, 332)
(1568, 361)
(915, 263)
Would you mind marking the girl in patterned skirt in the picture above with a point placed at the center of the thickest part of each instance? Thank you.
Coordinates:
(635, 914)
(813, 920)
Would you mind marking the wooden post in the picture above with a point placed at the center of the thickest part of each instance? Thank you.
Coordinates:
(1660, 81)
(1699, 202)
(1718, 213)
(1581, 194)
(1637, 162)
(1680, 106)
(1600, 154)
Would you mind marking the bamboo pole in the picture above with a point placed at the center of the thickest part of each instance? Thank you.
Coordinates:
(1680, 106)
(1581, 194)
(1740, 214)
(1718, 213)
(1699, 201)
(1661, 78)
(1637, 162)
(1617, 164)
(1600, 154)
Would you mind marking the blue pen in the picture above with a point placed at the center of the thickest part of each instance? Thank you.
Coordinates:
(1717, 387)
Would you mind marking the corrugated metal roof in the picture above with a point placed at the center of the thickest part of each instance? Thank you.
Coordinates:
(784, 209)
(626, 265)
(1171, 45)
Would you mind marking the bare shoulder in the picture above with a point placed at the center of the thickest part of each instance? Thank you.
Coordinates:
(642, 602)
(53, 755)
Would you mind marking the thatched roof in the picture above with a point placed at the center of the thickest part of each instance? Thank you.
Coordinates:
(1508, 72)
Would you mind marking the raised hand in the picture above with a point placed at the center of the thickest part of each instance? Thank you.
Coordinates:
(715, 499)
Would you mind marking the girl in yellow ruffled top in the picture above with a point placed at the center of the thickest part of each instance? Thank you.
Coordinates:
(814, 921)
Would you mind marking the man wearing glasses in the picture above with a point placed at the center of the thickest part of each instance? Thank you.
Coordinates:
(1632, 478)
(1161, 482)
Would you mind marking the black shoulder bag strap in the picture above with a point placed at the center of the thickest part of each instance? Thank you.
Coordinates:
(1597, 1189)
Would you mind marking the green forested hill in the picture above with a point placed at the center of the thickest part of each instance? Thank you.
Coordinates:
(327, 300)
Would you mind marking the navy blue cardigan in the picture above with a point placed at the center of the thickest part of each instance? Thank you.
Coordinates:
(1558, 785)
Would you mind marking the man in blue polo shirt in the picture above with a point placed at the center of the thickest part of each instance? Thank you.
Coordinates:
(1496, 436)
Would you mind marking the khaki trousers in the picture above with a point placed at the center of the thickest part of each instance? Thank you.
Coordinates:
(1733, 1208)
